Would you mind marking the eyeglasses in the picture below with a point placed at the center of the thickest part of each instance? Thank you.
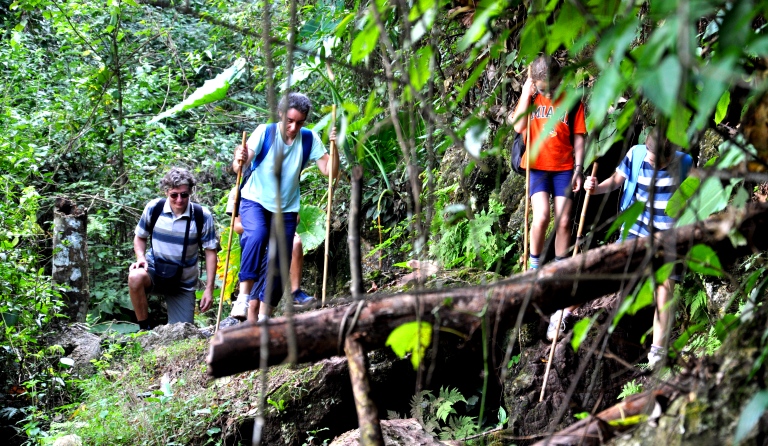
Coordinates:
(175, 195)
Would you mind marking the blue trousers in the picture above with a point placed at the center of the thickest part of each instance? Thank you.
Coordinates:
(255, 255)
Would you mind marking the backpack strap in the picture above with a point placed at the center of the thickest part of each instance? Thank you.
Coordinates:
(156, 211)
(306, 147)
(636, 156)
(197, 210)
(269, 137)
(685, 164)
(572, 122)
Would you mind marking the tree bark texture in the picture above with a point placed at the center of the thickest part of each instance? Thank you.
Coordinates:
(367, 412)
(355, 258)
(580, 279)
(70, 257)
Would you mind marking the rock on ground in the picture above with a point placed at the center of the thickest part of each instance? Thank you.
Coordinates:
(80, 345)
(405, 432)
(168, 334)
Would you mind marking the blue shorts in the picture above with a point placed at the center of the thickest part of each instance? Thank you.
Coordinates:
(556, 184)
(254, 244)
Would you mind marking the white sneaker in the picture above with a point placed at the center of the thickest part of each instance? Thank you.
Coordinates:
(655, 356)
(552, 328)
(240, 307)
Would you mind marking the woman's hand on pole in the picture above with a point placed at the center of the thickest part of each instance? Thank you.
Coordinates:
(241, 156)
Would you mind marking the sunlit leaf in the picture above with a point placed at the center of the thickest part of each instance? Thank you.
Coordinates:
(365, 41)
(703, 260)
(311, 227)
(212, 90)
(233, 268)
(411, 337)
(644, 297)
(580, 331)
(722, 107)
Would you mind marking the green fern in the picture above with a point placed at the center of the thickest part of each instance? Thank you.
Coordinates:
(697, 303)
(431, 411)
(458, 428)
(445, 402)
(629, 389)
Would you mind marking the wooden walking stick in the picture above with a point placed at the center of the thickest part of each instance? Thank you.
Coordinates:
(527, 183)
(330, 192)
(229, 242)
(583, 214)
(560, 320)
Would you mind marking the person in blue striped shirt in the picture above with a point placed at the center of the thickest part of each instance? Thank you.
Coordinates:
(660, 174)
(169, 268)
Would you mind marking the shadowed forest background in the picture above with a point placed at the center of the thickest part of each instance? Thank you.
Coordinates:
(100, 98)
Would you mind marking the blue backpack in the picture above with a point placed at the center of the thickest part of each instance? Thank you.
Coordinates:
(269, 138)
(637, 155)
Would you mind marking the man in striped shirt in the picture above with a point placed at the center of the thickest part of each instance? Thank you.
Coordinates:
(169, 268)
(660, 174)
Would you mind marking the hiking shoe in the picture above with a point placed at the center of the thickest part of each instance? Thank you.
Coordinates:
(302, 300)
(655, 356)
(240, 307)
(552, 328)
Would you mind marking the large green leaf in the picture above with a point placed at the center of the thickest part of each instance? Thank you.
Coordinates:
(661, 84)
(682, 195)
(212, 90)
(411, 337)
(704, 260)
(233, 268)
(570, 22)
(710, 199)
(607, 88)
(627, 219)
(486, 10)
(722, 107)
(677, 132)
(736, 27)
(365, 41)
(751, 414)
(580, 331)
(311, 227)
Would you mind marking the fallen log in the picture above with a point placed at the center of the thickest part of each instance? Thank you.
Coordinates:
(574, 281)
(598, 429)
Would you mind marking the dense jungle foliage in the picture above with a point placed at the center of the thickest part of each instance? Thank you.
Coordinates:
(422, 89)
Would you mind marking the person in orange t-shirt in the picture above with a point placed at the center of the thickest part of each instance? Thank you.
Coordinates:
(557, 170)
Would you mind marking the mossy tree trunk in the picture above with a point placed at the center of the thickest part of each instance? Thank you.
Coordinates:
(70, 257)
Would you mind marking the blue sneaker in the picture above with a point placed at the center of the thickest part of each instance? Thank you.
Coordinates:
(302, 300)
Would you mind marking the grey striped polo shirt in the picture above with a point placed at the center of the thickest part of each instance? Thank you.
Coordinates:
(168, 238)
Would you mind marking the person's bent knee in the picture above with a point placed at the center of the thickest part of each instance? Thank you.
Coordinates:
(138, 279)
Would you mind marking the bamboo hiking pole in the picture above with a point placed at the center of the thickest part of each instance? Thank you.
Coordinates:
(584, 213)
(527, 183)
(330, 199)
(560, 319)
(229, 242)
